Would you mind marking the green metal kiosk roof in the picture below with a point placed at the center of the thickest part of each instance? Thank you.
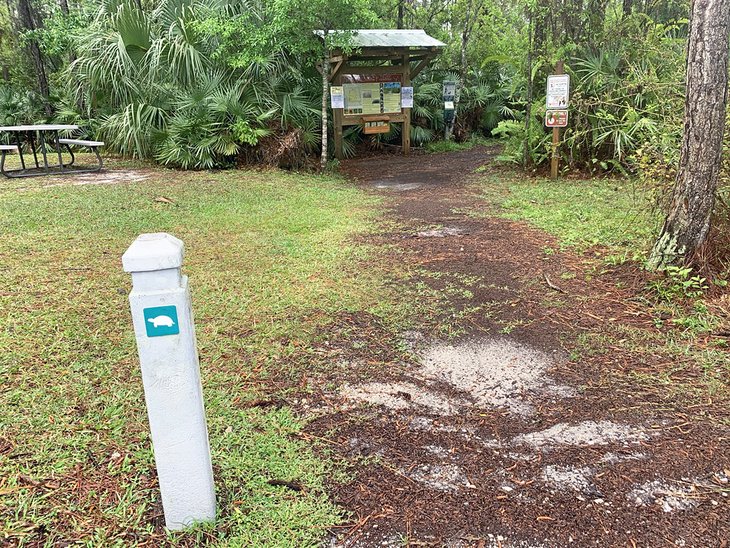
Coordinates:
(392, 38)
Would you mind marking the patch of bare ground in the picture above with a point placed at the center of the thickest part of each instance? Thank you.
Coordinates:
(504, 435)
(103, 177)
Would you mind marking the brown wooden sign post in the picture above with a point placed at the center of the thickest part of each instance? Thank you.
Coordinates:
(557, 97)
(385, 61)
(555, 160)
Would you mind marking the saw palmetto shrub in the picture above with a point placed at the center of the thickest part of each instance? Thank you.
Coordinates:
(161, 90)
(626, 94)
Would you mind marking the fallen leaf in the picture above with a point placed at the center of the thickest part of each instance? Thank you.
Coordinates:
(164, 200)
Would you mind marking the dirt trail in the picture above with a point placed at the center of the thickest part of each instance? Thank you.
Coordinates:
(497, 437)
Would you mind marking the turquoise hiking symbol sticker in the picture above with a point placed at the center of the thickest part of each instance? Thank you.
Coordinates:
(161, 320)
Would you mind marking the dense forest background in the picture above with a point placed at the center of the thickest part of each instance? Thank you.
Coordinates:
(209, 84)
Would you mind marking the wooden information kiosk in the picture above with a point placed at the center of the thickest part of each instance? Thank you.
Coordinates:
(368, 81)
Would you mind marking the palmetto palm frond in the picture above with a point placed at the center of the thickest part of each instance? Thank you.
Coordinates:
(132, 130)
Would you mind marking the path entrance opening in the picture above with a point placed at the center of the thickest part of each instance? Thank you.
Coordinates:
(374, 80)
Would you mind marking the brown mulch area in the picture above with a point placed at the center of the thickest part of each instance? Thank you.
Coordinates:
(506, 502)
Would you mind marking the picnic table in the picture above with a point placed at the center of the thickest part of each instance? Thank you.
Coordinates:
(36, 139)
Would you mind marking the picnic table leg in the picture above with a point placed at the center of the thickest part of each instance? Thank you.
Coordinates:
(20, 149)
(98, 158)
(42, 142)
(73, 158)
(58, 151)
(2, 163)
(32, 148)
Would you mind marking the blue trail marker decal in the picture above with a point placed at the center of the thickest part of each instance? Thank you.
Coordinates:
(161, 321)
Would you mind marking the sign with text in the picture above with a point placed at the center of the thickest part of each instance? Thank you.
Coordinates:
(558, 91)
(406, 97)
(376, 126)
(369, 98)
(556, 118)
(337, 95)
(448, 90)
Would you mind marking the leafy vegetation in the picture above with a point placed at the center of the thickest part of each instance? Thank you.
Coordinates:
(626, 93)
(199, 85)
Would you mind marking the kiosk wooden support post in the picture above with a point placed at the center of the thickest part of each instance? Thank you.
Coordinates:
(337, 113)
(406, 132)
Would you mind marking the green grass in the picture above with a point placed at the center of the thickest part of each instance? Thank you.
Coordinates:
(271, 261)
(581, 213)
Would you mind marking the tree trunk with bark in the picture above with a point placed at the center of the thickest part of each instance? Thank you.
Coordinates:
(27, 19)
(325, 98)
(528, 107)
(627, 7)
(687, 225)
(472, 13)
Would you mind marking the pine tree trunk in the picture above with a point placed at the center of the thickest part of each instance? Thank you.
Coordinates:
(688, 222)
(27, 19)
(528, 107)
(463, 66)
(325, 98)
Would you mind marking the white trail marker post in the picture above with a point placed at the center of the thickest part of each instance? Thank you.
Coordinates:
(168, 356)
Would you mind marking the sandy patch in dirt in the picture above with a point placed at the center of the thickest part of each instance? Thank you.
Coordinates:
(615, 458)
(437, 451)
(441, 477)
(570, 478)
(401, 396)
(490, 372)
(495, 372)
(396, 186)
(442, 232)
(582, 434)
(426, 424)
(669, 497)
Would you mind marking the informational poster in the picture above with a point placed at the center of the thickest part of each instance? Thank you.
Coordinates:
(353, 99)
(556, 118)
(406, 97)
(449, 91)
(558, 91)
(337, 97)
(391, 97)
(368, 98)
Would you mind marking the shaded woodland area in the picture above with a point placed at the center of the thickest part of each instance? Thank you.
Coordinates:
(216, 84)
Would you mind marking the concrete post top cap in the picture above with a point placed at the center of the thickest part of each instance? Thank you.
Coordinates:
(157, 251)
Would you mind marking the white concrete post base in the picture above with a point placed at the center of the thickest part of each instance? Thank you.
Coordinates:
(163, 325)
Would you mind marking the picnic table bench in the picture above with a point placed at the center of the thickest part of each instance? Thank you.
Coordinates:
(37, 138)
